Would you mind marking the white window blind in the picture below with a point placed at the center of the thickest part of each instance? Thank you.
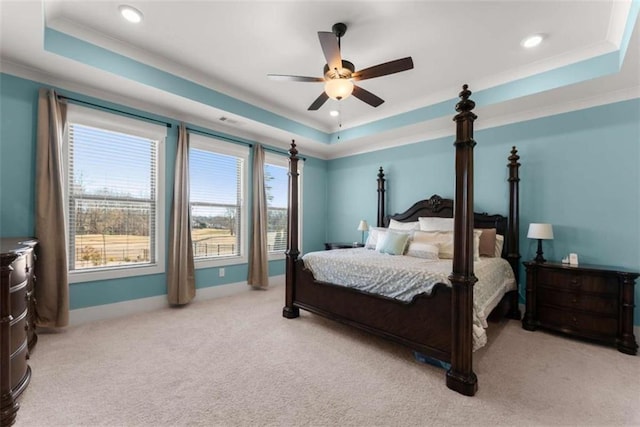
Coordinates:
(276, 188)
(112, 170)
(217, 194)
(276, 176)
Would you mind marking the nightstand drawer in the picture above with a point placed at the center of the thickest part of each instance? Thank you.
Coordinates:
(587, 301)
(575, 281)
(578, 301)
(573, 321)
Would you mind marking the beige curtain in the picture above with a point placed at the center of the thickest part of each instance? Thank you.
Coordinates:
(258, 258)
(181, 281)
(52, 289)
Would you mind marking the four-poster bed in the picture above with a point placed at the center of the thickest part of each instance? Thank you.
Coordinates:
(438, 324)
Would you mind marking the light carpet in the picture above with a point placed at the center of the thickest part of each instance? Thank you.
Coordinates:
(235, 361)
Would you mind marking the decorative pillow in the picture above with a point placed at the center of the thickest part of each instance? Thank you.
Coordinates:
(404, 226)
(487, 242)
(423, 250)
(435, 224)
(476, 244)
(393, 243)
(374, 235)
(499, 244)
(444, 240)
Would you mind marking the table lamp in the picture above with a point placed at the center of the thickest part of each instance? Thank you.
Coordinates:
(363, 226)
(540, 232)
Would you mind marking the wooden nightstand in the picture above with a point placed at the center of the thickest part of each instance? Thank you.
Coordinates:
(585, 301)
(337, 245)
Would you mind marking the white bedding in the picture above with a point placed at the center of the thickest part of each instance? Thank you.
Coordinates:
(403, 277)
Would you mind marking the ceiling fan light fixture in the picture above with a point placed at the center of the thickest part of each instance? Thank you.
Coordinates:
(130, 13)
(338, 89)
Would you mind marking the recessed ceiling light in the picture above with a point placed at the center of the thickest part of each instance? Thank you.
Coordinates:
(130, 13)
(532, 41)
(334, 113)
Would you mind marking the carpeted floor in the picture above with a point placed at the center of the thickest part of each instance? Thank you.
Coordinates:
(235, 361)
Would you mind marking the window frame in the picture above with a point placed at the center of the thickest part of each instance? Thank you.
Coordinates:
(117, 123)
(282, 160)
(218, 146)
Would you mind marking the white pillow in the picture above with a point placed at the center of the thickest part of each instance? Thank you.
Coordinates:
(435, 224)
(423, 250)
(374, 235)
(499, 244)
(444, 240)
(404, 226)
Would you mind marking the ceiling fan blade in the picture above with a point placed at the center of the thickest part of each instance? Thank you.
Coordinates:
(331, 50)
(366, 96)
(318, 102)
(390, 67)
(283, 78)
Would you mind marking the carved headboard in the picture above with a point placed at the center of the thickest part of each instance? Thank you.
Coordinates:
(436, 206)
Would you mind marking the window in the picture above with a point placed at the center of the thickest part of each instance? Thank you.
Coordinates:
(276, 177)
(218, 188)
(115, 217)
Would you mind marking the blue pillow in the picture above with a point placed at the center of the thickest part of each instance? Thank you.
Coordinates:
(394, 243)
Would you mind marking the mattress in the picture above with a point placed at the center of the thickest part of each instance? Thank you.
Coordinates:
(403, 277)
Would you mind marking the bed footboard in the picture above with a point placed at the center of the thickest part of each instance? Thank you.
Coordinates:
(422, 324)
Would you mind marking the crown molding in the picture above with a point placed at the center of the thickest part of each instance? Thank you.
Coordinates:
(421, 132)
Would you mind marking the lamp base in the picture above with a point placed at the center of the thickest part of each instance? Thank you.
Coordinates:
(539, 257)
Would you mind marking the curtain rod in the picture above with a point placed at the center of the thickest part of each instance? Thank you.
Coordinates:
(115, 110)
(215, 135)
(91, 104)
(282, 152)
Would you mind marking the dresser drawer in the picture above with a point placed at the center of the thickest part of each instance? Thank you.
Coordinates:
(576, 300)
(18, 298)
(574, 321)
(18, 331)
(19, 273)
(19, 366)
(577, 281)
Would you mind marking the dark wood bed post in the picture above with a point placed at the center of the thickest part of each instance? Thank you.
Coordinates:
(460, 376)
(381, 198)
(289, 311)
(513, 233)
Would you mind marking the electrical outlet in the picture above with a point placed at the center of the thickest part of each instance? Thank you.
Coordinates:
(221, 272)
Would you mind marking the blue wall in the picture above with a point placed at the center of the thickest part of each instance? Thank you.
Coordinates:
(579, 172)
(18, 113)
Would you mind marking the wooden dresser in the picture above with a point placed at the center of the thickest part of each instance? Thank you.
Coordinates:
(17, 321)
(585, 301)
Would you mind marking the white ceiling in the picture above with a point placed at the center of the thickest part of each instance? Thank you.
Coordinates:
(230, 47)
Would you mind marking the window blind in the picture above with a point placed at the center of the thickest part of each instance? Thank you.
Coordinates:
(276, 188)
(217, 200)
(112, 194)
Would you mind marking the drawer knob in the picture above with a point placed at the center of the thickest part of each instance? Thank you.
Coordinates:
(574, 300)
(575, 283)
(574, 319)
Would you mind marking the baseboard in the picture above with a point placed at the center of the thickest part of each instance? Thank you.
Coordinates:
(120, 309)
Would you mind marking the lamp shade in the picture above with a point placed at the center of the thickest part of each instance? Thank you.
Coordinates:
(338, 88)
(540, 231)
(363, 226)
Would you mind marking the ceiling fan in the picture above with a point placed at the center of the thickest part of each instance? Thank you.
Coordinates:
(339, 74)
